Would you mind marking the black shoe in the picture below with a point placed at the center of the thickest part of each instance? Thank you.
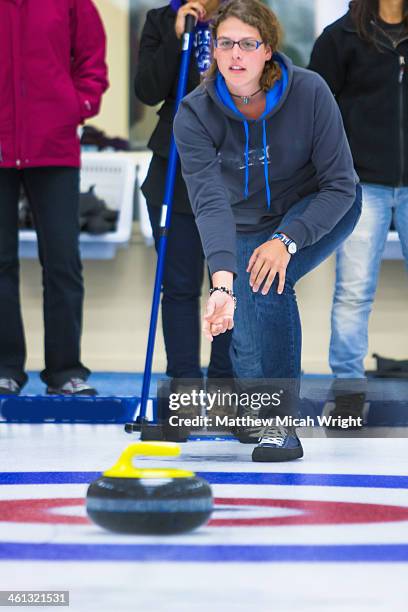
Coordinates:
(348, 406)
(176, 422)
(247, 434)
(278, 444)
(9, 386)
(73, 386)
(221, 404)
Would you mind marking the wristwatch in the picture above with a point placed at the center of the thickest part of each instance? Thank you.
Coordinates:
(288, 242)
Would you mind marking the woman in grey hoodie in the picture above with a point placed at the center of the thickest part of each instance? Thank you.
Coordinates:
(271, 182)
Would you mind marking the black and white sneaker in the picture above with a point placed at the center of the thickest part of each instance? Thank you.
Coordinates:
(278, 444)
(9, 386)
(74, 386)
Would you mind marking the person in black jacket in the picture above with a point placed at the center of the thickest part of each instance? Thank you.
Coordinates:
(363, 57)
(156, 81)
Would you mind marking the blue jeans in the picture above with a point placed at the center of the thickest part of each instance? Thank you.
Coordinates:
(357, 266)
(266, 341)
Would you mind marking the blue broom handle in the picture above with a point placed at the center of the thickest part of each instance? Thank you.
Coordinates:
(187, 43)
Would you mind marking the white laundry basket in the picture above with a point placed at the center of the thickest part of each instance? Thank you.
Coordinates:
(114, 177)
(143, 159)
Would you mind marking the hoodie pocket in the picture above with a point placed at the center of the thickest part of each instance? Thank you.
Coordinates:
(74, 104)
(78, 107)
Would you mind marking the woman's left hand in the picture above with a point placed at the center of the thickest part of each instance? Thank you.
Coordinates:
(268, 260)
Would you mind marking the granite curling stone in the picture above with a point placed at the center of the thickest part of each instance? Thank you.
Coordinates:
(127, 499)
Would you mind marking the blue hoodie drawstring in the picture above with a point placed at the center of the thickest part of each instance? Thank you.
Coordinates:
(246, 159)
(265, 164)
(273, 97)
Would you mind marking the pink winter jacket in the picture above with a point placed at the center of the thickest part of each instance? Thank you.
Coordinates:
(52, 77)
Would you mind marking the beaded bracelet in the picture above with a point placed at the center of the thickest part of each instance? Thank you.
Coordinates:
(227, 291)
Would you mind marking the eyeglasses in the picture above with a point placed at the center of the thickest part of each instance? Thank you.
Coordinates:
(245, 44)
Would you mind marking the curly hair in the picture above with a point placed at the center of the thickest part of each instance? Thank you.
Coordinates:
(259, 16)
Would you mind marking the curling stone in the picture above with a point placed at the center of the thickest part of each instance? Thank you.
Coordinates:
(128, 499)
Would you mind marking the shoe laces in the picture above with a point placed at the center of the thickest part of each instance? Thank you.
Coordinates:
(9, 383)
(274, 435)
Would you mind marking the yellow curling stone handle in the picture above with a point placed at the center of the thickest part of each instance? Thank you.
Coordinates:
(124, 467)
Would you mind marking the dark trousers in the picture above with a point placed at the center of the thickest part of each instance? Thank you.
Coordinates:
(53, 193)
(182, 281)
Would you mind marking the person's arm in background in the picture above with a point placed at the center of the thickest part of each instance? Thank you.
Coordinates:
(326, 60)
(88, 67)
(159, 56)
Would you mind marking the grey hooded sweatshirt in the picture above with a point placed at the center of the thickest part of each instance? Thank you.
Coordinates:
(244, 175)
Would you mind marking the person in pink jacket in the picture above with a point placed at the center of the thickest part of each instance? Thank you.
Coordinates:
(52, 77)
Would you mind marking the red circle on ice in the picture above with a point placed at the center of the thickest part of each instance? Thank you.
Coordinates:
(308, 512)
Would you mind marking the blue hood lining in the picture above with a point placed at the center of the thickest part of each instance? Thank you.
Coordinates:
(273, 97)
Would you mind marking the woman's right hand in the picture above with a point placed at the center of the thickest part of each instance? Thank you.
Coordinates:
(191, 8)
(219, 314)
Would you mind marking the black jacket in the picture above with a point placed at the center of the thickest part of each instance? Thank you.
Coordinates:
(371, 87)
(156, 81)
